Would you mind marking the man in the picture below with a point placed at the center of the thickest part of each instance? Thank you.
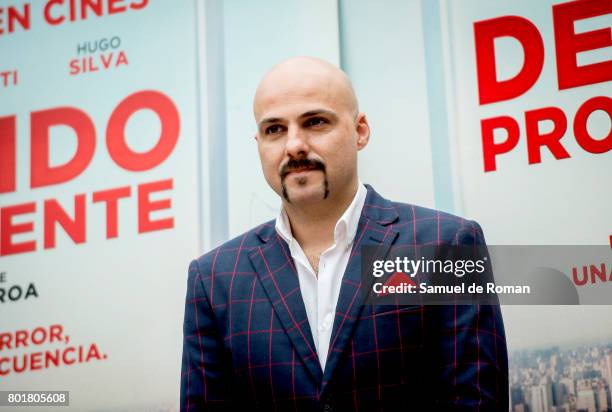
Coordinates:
(275, 317)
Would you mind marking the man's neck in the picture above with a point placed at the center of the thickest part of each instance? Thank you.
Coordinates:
(313, 225)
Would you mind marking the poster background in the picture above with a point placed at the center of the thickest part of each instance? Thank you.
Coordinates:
(125, 294)
(413, 66)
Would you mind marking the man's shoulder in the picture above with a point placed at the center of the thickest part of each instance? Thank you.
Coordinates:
(427, 225)
(226, 256)
(381, 208)
(409, 211)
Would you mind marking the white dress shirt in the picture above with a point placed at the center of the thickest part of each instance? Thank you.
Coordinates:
(321, 293)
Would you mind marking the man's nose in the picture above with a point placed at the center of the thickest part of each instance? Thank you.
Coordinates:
(296, 143)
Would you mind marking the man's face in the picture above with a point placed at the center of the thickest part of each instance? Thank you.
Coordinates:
(308, 135)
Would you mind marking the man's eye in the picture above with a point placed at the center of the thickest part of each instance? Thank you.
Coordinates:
(274, 129)
(316, 121)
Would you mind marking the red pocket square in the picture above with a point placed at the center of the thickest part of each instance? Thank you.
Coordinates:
(397, 279)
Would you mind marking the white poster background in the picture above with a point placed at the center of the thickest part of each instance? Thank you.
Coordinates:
(556, 201)
(125, 294)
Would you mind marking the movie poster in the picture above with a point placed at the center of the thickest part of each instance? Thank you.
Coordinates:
(98, 198)
(531, 109)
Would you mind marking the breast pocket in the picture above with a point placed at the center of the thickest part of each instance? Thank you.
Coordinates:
(392, 326)
(380, 310)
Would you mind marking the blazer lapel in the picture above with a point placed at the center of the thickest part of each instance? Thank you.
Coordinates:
(278, 275)
(374, 230)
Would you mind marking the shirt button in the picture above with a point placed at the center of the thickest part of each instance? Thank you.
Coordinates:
(326, 323)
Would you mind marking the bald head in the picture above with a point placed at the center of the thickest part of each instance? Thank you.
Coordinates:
(304, 76)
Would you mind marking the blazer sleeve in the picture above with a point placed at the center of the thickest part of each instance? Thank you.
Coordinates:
(204, 372)
(468, 347)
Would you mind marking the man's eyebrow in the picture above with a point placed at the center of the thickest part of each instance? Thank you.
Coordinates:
(309, 113)
(269, 120)
(319, 112)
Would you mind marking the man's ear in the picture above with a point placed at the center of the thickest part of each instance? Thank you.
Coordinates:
(363, 131)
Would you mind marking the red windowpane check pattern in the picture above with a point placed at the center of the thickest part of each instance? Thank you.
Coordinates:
(247, 341)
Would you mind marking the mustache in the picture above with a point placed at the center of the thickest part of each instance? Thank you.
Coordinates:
(302, 163)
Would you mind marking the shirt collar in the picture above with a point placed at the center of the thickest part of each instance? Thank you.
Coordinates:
(346, 226)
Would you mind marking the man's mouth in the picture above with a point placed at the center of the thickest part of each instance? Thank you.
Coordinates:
(300, 170)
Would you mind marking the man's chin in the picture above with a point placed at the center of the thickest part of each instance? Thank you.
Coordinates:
(305, 195)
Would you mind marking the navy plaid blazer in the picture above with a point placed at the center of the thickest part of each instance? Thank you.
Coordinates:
(247, 341)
